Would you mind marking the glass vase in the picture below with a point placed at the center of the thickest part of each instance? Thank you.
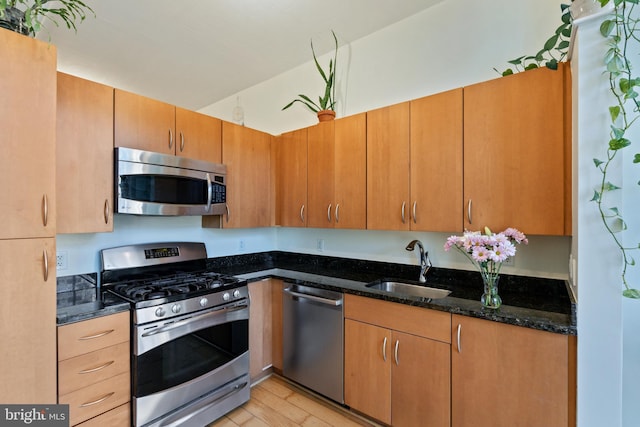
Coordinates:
(490, 297)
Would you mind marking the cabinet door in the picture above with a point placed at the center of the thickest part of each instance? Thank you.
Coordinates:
(320, 174)
(388, 168)
(350, 169)
(28, 126)
(247, 155)
(508, 375)
(198, 136)
(28, 321)
(260, 332)
(367, 370)
(514, 139)
(144, 123)
(420, 382)
(436, 162)
(276, 323)
(291, 179)
(84, 156)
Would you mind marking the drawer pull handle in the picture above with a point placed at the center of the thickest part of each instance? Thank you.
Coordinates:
(95, 402)
(329, 213)
(403, 205)
(106, 211)
(45, 258)
(45, 210)
(459, 330)
(337, 212)
(98, 335)
(96, 369)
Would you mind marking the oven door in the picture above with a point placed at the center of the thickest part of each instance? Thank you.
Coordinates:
(191, 359)
(154, 189)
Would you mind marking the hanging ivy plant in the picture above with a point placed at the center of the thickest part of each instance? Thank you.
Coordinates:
(621, 30)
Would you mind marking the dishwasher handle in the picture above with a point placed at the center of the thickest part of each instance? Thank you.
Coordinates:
(328, 301)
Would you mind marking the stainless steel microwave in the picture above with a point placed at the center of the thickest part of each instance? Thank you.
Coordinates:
(148, 183)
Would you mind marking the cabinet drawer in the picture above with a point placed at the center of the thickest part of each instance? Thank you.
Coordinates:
(84, 370)
(399, 317)
(118, 417)
(97, 398)
(90, 335)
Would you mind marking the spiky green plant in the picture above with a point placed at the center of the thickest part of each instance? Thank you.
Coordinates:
(328, 100)
(31, 14)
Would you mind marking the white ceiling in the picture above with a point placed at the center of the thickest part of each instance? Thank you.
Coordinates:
(193, 53)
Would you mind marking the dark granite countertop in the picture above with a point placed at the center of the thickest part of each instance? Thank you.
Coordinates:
(78, 299)
(538, 303)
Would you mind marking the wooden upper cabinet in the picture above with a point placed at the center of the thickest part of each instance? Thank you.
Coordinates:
(337, 173)
(198, 136)
(291, 178)
(320, 174)
(247, 155)
(436, 162)
(28, 319)
(84, 156)
(388, 204)
(515, 137)
(524, 375)
(28, 112)
(144, 123)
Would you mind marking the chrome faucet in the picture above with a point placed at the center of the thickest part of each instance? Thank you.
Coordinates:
(425, 263)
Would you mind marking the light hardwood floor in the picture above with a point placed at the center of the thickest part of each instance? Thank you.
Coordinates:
(277, 403)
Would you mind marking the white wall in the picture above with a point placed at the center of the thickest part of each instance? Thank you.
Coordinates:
(454, 43)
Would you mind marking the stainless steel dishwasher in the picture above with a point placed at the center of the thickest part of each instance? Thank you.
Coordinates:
(313, 339)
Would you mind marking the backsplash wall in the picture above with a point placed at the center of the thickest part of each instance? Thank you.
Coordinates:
(543, 257)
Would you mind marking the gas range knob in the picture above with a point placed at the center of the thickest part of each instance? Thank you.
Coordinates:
(176, 308)
(226, 296)
(236, 294)
(204, 302)
(160, 312)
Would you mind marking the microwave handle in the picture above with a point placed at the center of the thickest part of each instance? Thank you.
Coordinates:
(209, 193)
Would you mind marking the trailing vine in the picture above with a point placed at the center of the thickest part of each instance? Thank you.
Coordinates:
(620, 29)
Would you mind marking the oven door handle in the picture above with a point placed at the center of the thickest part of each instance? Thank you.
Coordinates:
(183, 322)
(209, 193)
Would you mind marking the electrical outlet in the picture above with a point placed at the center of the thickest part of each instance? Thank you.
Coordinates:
(61, 260)
(320, 245)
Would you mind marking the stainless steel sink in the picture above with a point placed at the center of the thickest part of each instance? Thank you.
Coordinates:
(409, 289)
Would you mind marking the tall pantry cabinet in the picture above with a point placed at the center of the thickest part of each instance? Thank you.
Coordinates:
(28, 218)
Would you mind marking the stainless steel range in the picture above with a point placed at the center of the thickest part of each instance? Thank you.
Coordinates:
(190, 332)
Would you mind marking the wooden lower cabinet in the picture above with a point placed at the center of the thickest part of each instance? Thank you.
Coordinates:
(260, 340)
(27, 321)
(504, 375)
(392, 374)
(277, 286)
(94, 376)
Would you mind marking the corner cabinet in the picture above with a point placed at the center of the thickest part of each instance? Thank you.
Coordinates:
(516, 157)
(247, 155)
(84, 156)
(397, 362)
(336, 187)
(291, 178)
(28, 217)
(504, 375)
(152, 125)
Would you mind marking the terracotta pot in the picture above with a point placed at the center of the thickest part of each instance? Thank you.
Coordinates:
(326, 115)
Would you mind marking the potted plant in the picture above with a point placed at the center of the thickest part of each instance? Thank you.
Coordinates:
(27, 16)
(324, 108)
